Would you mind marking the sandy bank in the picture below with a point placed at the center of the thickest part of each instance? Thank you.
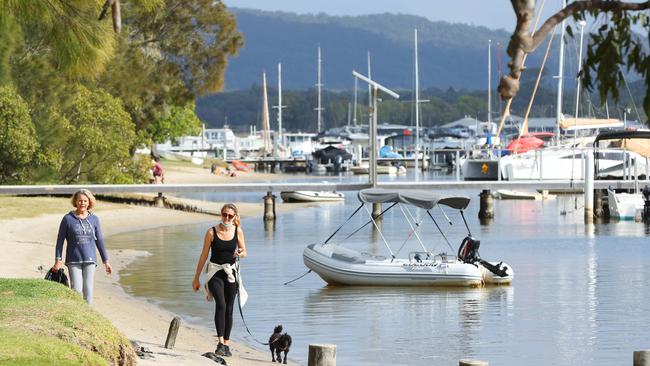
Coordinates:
(28, 244)
(176, 173)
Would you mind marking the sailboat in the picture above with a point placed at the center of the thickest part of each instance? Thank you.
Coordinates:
(266, 127)
(484, 164)
(566, 161)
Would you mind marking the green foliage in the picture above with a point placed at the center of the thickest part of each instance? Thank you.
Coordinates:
(167, 56)
(18, 143)
(98, 141)
(182, 121)
(93, 94)
(614, 50)
(42, 322)
(66, 32)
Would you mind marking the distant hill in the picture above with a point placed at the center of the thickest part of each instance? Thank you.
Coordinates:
(451, 55)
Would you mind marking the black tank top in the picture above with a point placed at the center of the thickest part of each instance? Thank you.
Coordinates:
(221, 251)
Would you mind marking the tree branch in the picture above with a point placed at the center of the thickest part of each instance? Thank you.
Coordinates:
(604, 6)
(522, 43)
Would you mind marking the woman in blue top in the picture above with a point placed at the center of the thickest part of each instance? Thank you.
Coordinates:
(224, 242)
(81, 231)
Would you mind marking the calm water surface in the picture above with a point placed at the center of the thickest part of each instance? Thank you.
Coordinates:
(580, 294)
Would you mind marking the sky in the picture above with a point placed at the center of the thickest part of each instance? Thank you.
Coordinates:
(494, 14)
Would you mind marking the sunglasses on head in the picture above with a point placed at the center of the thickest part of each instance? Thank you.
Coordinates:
(227, 215)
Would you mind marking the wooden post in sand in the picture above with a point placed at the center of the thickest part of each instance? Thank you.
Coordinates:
(269, 207)
(641, 358)
(173, 331)
(322, 355)
(466, 362)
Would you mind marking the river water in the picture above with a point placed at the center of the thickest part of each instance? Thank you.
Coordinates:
(580, 295)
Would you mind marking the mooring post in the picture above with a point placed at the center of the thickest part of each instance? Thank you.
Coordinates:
(598, 203)
(159, 200)
(641, 358)
(589, 187)
(322, 355)
(269, 207)
(376, 211)
(466, 362)
(486, 210)
(173, 331)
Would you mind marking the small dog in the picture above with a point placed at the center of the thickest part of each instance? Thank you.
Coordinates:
(278, 343)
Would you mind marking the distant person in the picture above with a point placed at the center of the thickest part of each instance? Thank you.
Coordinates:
(158, 172)
(225, 244)
(81, 231)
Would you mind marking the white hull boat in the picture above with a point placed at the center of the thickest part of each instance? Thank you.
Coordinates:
(507, 194)
(312, 196)
(381, 169)
(339, 265)
(625, 206)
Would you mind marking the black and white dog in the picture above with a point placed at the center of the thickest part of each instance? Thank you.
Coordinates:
(279, 342)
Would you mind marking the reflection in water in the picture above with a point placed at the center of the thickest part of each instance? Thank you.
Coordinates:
(447, 319)
(269, 228)
(578, 296)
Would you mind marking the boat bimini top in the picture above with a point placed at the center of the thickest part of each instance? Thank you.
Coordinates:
(418, 198)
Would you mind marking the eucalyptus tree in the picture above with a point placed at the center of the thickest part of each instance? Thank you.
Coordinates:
(613, 46)
(65, 32)
(168, 55)
(18, 143)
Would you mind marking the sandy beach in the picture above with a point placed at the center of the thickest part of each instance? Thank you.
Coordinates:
(28, 241)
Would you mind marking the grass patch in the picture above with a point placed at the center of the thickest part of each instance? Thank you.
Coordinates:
(25, 207)
(15, 207)
(43, 322)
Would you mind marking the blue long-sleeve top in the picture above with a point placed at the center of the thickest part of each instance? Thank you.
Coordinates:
(82, 236)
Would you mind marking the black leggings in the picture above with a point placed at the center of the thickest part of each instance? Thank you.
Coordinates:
(224, 294)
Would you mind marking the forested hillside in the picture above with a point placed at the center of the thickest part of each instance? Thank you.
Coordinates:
(451, 55)
(453, 62)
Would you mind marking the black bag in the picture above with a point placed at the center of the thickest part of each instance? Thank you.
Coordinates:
(58, 276)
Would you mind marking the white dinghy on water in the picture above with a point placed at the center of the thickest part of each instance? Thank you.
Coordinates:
(312, 196)
(339, 265)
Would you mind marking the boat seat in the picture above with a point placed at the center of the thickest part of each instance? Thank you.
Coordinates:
(347, 258)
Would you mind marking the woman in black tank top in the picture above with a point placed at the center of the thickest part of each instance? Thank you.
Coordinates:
(224, 242)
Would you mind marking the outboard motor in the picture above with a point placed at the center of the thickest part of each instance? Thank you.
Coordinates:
(646, 204)
(468, 250)
(468, 253)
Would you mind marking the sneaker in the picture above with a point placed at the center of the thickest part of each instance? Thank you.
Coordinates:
(221, 349)
(226, 351)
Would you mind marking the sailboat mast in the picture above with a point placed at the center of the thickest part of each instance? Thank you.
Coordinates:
(354, 113)
(560, 81)
(489, 116)
(265, 115)
(582, 24)
(369, 92)
(417, 103)
(319, 85)
(280, 103)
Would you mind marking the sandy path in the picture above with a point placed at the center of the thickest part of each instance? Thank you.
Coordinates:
(28, 243)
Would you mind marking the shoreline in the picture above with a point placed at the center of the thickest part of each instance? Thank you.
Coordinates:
(31, 240)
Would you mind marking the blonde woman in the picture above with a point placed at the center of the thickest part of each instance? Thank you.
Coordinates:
(82, 233)
(224, 242)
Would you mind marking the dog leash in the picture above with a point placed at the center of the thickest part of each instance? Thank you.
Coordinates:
(241, 312)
